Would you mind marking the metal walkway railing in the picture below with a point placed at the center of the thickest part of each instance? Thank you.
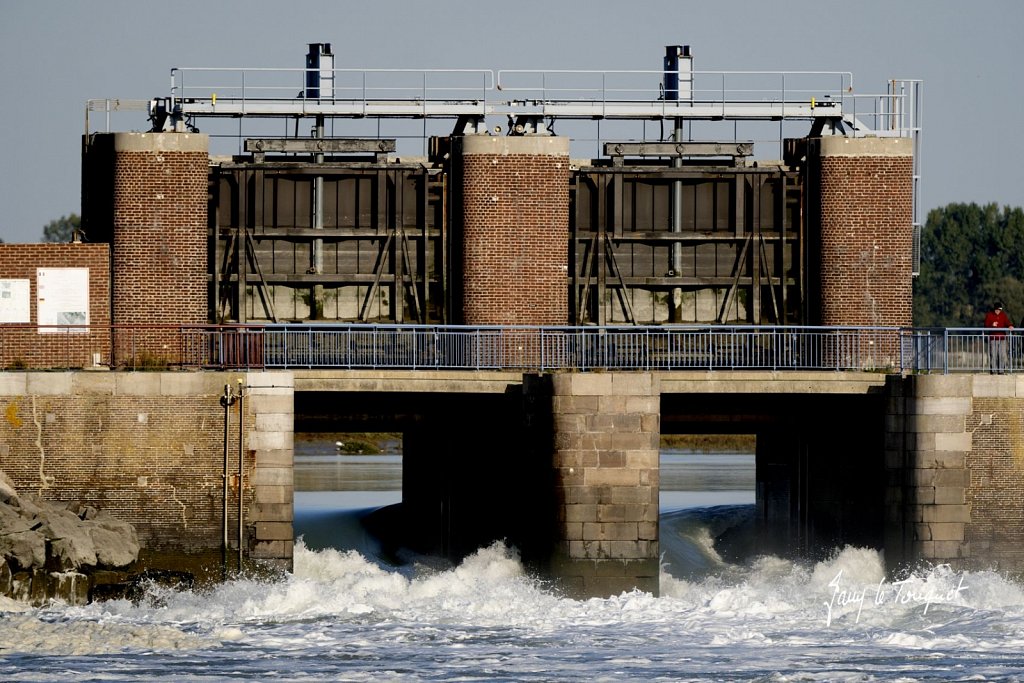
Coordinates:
(354, 92)
(862, 349)
(636, 94)
(866, 349)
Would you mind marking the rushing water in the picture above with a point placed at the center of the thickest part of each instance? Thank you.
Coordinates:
(343, 616)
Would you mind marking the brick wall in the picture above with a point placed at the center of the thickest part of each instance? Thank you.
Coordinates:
(160, 228)
(995, 533)
(515, 230)
(22, 345)
(866, 231)
(148, 448)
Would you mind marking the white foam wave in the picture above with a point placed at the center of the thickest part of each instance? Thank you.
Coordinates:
(27, 633)
(851, 591)
(753, 606)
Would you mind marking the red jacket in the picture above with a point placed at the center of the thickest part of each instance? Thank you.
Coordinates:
(997, 319)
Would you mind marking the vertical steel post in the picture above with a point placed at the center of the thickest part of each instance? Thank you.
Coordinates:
(226, 400)
(241, 471)
(945, 351)
(677, 227)
(672, 93)
(317, 293)
(319, 85)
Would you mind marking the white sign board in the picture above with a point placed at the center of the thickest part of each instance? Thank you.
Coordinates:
(14, 300)
(62, 298)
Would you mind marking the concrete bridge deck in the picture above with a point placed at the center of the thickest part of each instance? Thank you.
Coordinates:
(669, 382)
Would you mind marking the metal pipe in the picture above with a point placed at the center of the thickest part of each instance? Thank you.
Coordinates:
(227, 420)
(241, 471)
(316, 300)
(226, 400)
(677, 227)
(675, 56)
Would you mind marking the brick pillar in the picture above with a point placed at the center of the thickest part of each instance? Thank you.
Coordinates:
(606, 460)
(515, 230)
(866, 197)
(159, 254)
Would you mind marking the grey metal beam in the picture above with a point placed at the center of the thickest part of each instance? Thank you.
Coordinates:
(690, 281)
(208, 107)
(701, 172)
(329, 167)
(320, 278)
(595, 109)
(680, 149)
(324, 146)
(331, 233)
(696, 237)
(662, 109)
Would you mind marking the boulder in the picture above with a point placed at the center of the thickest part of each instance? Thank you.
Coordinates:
(23, 550)
(114, 549)
(50, 549)
(70, 543)
(7, 492)
(21, 543)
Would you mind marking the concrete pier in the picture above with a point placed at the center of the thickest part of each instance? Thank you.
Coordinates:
(955, 471)
(606, 436)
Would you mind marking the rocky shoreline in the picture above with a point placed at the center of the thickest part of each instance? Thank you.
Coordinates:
(56, 551)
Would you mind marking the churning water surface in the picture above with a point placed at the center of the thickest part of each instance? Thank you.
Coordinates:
(343, 616)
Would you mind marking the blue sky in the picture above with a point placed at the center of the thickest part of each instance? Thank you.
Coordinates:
(56, 55)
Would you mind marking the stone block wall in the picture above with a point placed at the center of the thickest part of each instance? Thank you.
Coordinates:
(22, 345)
(515, 230)
(955, 463)
(148, 448)
(606, 460)
(270, 401)
(159, 249)
(865, 195)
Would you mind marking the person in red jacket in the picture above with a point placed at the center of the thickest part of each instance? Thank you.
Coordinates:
(998, 358)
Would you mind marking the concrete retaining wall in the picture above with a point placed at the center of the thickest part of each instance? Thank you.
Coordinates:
(148, 448)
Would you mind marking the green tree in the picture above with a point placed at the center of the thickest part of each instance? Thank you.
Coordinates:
(971, 256)
(62, 229)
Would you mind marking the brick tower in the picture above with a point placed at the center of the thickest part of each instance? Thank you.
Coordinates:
(159, 255)
(515, 230)
(864, 205)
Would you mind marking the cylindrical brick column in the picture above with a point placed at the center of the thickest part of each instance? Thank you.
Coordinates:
(515, 230)
(866, 214)
(159, 254)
